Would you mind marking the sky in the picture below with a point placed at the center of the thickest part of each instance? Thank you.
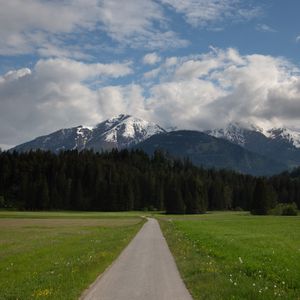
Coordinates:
(189, 64)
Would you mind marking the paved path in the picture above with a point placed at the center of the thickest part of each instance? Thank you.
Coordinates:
(144, 271)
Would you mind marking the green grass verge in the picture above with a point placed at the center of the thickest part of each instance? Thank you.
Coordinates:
(57, 258)
(236, 255)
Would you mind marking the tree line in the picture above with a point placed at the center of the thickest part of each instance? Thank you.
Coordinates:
(131, 180)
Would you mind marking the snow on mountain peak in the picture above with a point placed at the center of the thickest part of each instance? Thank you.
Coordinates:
(129, 129)
(237, 133)
(234, 132)
(289, 135)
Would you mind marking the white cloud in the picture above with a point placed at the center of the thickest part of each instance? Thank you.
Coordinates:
(265, 28)
(151, 58)
(68, 70)
(202, 13)
(114, 100)
(221, 86)
(152, 73)
(138, 24)
(54, 94)
(48, 27)
(27, 25)
(298, 39)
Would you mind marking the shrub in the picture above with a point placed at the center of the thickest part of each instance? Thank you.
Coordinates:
(284, 209)
(290, 210)
(238, 209)
(2, 202)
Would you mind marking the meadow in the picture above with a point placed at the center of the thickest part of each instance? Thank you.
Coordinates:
(235, 255)
(56, 255)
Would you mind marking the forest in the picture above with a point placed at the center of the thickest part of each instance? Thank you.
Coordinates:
(131, 180)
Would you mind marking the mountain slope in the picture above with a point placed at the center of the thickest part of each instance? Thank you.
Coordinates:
(63, 139)
(205, 150)
(119, 132)
(281, 144)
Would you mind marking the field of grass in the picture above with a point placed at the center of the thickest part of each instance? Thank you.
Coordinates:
(236, 255)
(56, 255)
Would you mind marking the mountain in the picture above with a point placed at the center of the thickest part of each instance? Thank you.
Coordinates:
(63, 139)
(205, 150)
(118, 132)
(280, 144)
(248, 150)
(121, 132)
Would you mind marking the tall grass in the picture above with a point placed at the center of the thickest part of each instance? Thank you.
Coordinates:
(237, 256)
(58, 258)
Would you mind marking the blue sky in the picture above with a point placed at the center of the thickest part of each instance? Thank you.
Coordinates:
(193, 64)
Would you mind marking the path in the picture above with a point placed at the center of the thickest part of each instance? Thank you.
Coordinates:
(145, 270)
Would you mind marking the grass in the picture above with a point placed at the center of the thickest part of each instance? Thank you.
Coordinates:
(49, 255)
(236, 255)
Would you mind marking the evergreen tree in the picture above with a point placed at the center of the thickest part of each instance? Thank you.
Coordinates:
(264, 198)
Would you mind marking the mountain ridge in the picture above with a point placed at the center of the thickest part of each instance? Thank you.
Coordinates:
(207, 151)
(117, 132)
(278, 146)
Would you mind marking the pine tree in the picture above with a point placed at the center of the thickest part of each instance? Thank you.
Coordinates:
(264, 198)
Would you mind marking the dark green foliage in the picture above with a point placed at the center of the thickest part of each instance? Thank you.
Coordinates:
(264, 198)
(2, 201)
(285, 209)
(131, 180)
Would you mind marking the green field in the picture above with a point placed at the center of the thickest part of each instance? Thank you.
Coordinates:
(57, 255)
(236, 255)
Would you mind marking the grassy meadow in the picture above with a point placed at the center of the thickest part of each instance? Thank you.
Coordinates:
(236, 255)
(56, 255)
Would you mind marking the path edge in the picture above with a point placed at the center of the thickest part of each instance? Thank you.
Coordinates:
(98, 278)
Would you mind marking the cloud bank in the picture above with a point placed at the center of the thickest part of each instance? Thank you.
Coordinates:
(192, 92)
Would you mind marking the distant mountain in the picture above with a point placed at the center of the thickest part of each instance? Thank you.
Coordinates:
(244, 149)
(119, 132)
(63, 139)
(280, 144)
(208, 151)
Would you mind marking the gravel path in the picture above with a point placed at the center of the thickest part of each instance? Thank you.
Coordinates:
(145, 270)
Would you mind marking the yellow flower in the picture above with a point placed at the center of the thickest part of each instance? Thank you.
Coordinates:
(42, 293)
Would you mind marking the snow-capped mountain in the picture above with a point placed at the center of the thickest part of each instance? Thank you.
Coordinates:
(121, 132)
(233, 133)
(239, 134)
(288, 135)
(277, 149)
(281, 144)
(118, 132)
